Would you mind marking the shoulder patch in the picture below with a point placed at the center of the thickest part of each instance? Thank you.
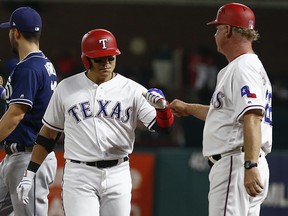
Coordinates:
(245, 91)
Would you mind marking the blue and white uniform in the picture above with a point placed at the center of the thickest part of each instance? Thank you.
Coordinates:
(32, 83)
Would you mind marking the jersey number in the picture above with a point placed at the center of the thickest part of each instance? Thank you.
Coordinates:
(268, 108)
(53, 85)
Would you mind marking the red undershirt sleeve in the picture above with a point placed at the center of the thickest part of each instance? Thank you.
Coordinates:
(164, 117)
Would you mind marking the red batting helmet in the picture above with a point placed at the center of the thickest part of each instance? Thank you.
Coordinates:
(98, 43)
(235, 14)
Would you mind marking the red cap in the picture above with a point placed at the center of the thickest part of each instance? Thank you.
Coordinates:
(235, 14)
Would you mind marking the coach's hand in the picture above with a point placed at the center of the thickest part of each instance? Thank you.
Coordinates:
(1, 81)
(156, 98)
(252, 182)
(25, 186)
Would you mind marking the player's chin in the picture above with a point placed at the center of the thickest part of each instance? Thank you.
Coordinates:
(106, 72)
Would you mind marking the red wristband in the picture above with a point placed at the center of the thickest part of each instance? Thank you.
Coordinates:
(164, 118)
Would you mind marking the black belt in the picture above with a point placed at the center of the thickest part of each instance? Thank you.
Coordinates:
(102, 164)
(218, 157)
(11, 148)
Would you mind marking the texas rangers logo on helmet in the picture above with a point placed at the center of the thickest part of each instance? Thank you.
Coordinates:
(103, 42)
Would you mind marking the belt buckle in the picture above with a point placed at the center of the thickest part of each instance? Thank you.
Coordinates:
(102, 164)
(106, 164)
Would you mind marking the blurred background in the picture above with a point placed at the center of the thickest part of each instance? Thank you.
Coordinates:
(166, 44)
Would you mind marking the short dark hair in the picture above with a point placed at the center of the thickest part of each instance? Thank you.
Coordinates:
(31, 36)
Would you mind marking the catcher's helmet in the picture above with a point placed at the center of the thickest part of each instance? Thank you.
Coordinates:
(235, 14)
(98, 43)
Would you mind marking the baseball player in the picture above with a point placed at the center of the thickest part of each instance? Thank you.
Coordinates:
(27, 93)
(238, 123)
(98, 110)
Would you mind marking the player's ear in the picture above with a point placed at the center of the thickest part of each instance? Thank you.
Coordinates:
(15, 33)
(228, 32)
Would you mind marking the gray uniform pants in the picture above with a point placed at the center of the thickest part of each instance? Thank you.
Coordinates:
(12, 169)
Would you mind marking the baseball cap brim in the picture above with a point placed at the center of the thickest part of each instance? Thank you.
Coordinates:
(5, 25)
(214, 22)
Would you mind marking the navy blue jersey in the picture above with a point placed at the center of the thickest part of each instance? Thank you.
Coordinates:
(32, 82)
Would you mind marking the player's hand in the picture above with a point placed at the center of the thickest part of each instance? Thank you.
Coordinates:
(1, 81)
(156, 98)
(178, 108)
(2, 89)
(25, 186)
(252, 182)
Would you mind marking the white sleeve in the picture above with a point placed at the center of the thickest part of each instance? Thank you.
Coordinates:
(247, 88)
(54, 115)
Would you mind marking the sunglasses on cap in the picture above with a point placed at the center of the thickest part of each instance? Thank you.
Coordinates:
(103, 59)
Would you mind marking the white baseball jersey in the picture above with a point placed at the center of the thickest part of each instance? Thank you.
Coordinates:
(99, 120)
(241, 86)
